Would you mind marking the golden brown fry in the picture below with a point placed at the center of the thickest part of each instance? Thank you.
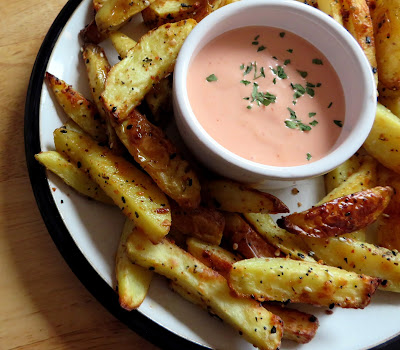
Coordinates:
(297, 325)
(339, 216)
(97, 4)
(78, 108)
(242, 238)
(122, 43)
(91, 34)
(291, 245)
(389, 232)
(245, 315)
(213, 256)
(331, 8)
(390, 99)
(115, 13)
(360, 257)
(132, 190)
(159, 158)
(152, 59)
(159, 101)
(97, 68)
(357, 20)
(234, 197)
(133, 281)
(384, 139)
(72, 175)
(386, 22)
(203, 223)
(280, 279)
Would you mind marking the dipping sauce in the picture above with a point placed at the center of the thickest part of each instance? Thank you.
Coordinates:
(267, 95)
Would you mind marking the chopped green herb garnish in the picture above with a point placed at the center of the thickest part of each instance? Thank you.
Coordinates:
(318, 84)
(286, 62)
(310, 85)
(261, 97)
(304, 127)
(241, 67)
(339, 123)
(254, 43)
(290, 50)
(249, 107)
(299, 90)
(303, 74)
(211, 78)
(274, 57)
(291, 124)
(261, 48)
(274, 81)
(245, 82)
(292, 113)
(309, 156)
(311, 114)
(330, 105)
(314, 123)
(282, 34)
(281, 72)
(317, 61)
(246, 98)
(256, 38)
(248, 69)
(310, 91)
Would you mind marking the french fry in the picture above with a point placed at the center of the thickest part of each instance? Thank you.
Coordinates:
(234, 197)
(97, 68)
(386, 24)
(383, 140)
(357, 20)
(360, 257)
(245, 240)
(203, 223)
(213, 256)
(245, 315)
(341, 173)
(134, 192)
(341, 215)
(291, 245)
(115, 13)
(159, 158)
(297, 326)
(282, 279)
(133, 281)
(122, 43)
(149, 61)
(78, 108)
(331, 8)
(159, 101)
(72, 175)
(91, 34)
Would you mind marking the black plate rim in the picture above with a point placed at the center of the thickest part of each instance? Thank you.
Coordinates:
(144, 326)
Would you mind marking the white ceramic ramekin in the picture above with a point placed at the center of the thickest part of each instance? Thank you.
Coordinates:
(324, 33)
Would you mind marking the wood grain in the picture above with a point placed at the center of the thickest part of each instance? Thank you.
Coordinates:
(42, 304)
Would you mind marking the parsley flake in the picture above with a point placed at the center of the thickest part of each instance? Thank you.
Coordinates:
(330, 105)
(245, 82)
(317, 61)
(311, 114)
(290, 50)
(261, 48)
(309, 156)
(282, 34)
(303, 74)
(286, 62)
(211, 77)
(339, 123)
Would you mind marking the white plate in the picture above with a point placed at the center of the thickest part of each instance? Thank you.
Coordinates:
(95, 228)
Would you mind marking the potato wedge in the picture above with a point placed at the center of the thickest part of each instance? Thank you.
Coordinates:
(386, 22)
(384, 139)
(340, 174)
(133, 191)
(339, 216)
(159, 158)
(159, 101)
(283, 279)
(97, 68)
(245, 315)
(115, 13)
(78, 108)
(242, 238)
(122, 43)
(357, 20)
(169, 11)
(91, 34)
(234, 197)
(203, 223)
(133, 281)
(213, 256)
(97, 4)
(291, 245)
(331, 8)
(72, 175)
(390, 99)
(148, 62)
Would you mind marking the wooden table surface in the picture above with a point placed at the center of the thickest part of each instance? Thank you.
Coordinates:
(42, 304)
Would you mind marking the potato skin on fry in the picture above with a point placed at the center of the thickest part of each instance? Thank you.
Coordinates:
(339, 216)
(150, 147)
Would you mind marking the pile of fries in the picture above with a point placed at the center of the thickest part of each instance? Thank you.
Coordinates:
(212, 238)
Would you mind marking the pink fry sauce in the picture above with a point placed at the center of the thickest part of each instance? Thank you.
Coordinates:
(267, 95)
